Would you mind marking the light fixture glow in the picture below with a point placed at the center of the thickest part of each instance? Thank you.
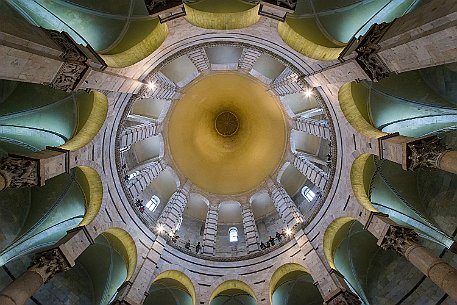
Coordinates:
(288, 232)
(151, 85)
(308, 92)
(160, 228)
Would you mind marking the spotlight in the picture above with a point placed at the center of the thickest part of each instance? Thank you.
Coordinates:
(308, 92)
(160, 229)
(288, 232)
(151, 85)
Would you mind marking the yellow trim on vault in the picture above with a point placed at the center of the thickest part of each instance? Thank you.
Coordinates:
(281, 272)
(92, 122)
(125, 245)
(222, 21)
(140, 51)
(332, 238)
(232, 284)
(362, 172)
(353, 106)
(181, 278)
(92, 187)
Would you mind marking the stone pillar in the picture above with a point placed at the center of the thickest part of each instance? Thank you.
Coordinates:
(330, 283)
(318, 128)
(160, 87)
(414, 153)
(404, 241)
(137, 133)
(134, 292)
(33, 169)
(172, 212)
(247, 59)
(210, 233)
(250, 229)
(44, 266)
(310, 113)
(37, 55)
(288, 82)
(199, 58)
(315, 174)
(286, 208)
(423, 38)
(144, 177)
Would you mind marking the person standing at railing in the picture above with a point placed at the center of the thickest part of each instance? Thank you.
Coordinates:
(198, 247)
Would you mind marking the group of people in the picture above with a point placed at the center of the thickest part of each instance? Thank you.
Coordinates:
(198, 247)
(139, 205)
(271, 241)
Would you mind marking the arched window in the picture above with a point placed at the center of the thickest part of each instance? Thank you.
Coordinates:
(233, 234)
(308, 193)
(153, 203)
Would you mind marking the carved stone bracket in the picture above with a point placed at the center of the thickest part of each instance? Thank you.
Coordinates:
(366, 50)
(344, 298)
(399, 239)
(425, 152)
(74, 66)
(19, 172)
(47, 264)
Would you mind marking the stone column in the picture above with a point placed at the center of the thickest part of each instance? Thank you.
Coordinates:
(318, 128)
(145, 175)
(404, 241)
(172, 212)
(288, 82)
(33, 169)
(286, 208)
(134, 292)
(159, 86)
(315, 174)
(330, 283)
(414, 153)
(423, 38)
(250, 229)
(137, 133)
(37, 55)
(199, 58)
(210, 233)
(44, 266)
(247, 59)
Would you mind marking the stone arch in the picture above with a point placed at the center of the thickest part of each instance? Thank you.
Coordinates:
(180, 277)
(233, 283)
(333, 235)
(125, 244)
(281, 171)
(91, 119)
(352, 106)
(280, 272)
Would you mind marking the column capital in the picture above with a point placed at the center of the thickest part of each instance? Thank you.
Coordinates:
(18, 172)
(343, 297)
(49, 263)
(425, 152)
(399, 239)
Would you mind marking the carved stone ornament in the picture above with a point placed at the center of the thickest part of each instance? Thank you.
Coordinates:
(74, 65)
(367, 58)
(399, 239)
(426, 153)
(47, 264)
(344, 298)
(19, 172)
